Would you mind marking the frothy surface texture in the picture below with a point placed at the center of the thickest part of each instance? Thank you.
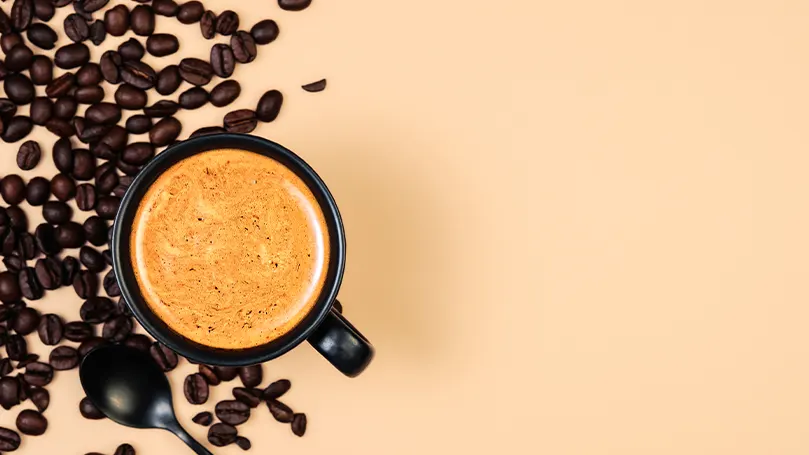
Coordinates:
(230, 248)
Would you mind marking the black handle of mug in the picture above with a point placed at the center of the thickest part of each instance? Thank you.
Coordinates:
(342, 344)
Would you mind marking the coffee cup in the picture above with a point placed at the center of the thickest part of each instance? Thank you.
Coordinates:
(169, 234)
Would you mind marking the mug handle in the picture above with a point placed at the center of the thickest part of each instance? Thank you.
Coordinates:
(342, 344)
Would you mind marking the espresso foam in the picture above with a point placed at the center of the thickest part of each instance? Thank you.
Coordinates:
(230, 249)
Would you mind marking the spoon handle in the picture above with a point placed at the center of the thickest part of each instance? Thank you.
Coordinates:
(180, 432)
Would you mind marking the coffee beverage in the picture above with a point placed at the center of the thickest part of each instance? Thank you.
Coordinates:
(230, 248)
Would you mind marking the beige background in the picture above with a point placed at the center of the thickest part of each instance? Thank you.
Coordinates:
(574, 227)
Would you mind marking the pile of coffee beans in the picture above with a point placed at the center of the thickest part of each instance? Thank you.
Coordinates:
(97, 157)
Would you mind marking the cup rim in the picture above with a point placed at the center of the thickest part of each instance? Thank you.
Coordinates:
(124, 272)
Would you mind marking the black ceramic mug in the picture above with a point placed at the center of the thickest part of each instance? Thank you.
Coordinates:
(324, 327)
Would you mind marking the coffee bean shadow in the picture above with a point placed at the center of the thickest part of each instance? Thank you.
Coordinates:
(398, 250)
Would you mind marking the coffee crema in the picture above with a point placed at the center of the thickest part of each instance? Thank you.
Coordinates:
(230, 248)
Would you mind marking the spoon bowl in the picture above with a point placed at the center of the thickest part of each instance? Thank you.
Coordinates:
(128, 387)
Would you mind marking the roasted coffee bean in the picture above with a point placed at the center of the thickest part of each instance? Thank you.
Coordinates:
(84, 163)
(38, 374)
(5, 23)
(117, 328)
(166, 8)
(131, 49)
(44, 10)
(111, 284)
(65, 108)
(16, 347)
(108, 148)
(226, 92)
(64, 358)
(17, 218)
(7, 109)
(78, 7)
(95, 231)
(29, 286)
(70, 235)
(92, 6)
(193, 98)
(41, 70)
(14, 263)
(45, 237)
(42, 36)
(89, 95)
(226, 374)
(128, 169)
(204, 418)
(12, 188)
(208, 130)
(19, 58)
(70, 269)
(223, 62)
(86, 284)
(190, 12)
(251, 376)
(19, 89)
(26, 321)
(129, 97)
(85, 197)
(163, 133)
(61, 86)
(107, 207)
(63, 155)
(9, 395)
(29, 153)
(123, 185)
(103, 113)
(76, 28)
(207, 24)
(227, 23)
(138, 74)
(294, 5)
(92, 259)
(195, 389)
(17, 129)
(241, 121)
(116, 20)
(168, 80)
(162, 44)
(72, 56)
(96, 310)
(9, 439)
(195, 71)
(221, 434)
(280, 411)
(138, 124)
(232, 412)
(78, 331)
(138, 341)
(22, 12)
(28, 247)
(62, 188)
(89, 132)
(162, 108)
(89, 74)
(31, 422)
(88, 345)
(89, 411)
(243, 443)
(41, 398)
(142, 20)
(269, 105)
(265, 32)
(10, 244)
(9, 40)
(244, 47)
(164, 357)
(276, 390)
(41, 110)
(110, 63)
(29, 359)
(9, 287)
(299, 425)
(250, 397)
(60, 127)
(209, 375)
(125, 449)
(5, 365)
(50, 329)
(315, 87)
(139, 153)
(98, 32)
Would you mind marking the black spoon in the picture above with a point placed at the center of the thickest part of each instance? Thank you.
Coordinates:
(129, 388)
